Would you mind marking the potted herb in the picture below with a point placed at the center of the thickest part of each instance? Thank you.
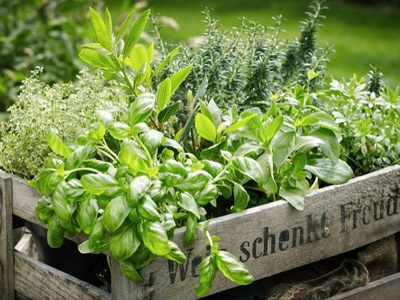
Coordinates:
(142, 186)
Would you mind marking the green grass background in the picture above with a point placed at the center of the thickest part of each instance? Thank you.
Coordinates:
(361, 35)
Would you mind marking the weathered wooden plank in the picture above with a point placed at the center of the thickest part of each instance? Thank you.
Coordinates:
(121, 286)
(24, 199)
(274, 238)
(6, 240)
(41, 282)
(387, 288)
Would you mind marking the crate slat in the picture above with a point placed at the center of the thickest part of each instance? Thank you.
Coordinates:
(40, 281)
(6, 240)
(387, 288)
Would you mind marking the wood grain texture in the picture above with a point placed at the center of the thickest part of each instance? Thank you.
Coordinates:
(275, 237)
(6, 240)
(41, 282)
(387, 288)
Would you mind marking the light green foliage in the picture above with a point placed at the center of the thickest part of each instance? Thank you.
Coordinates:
(132, 178)
(68, 109)
(368, 114)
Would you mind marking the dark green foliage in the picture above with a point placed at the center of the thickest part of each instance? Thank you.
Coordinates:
(39, 33)
(245, 65)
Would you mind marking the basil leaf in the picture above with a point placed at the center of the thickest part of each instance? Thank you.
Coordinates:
(43, 209)
(129, 270)
(141, 108)
(115, 213)
(190, 233)
(187, 202)
(147, 209)
(232, 268)
(55, 232)
(208, 268)
(137, 188)
(97, 184)
(155, 238)
(87, 214)
(175, 254)
(142, 257)
(124, 242)
(56, 144)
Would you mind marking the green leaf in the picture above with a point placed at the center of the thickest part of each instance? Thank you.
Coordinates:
(330, 171)
(124, 242)
(47, 181)
(190, 232)
(272, 128)
(194, 182)
(269, 184)
(282, 147)
(134, 157)
(97, 59)
(135, 33)
(124, 27)
(175, 254)
(97, 132)
(241, 197)
(98, 183)
(155, 238)
(208, 268)
(188, 203)
(250, 168)
(137, 189)
(330, 144)
(166, 61)
(141, 108)
(97, 234)
(56, 144)
(138, 58)
(152, 139)
(164, 94)
(239, 124)
(101, 29)
(294, 196)
(179, 77)
(174, 167)
(232, 268)
(119, 130)
(87, 214)
(129, 270)
(60, 206)
(77, 157)
(115, 213)
(299, 162)
(147, 209)
(205, 128)
(142, 257)
(43, 209)
(55, 233)
(206, 195)
(168, 112)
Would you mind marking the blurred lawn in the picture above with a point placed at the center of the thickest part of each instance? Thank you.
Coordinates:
(361, 35)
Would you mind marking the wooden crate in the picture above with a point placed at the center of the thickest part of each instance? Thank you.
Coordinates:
(269, 239)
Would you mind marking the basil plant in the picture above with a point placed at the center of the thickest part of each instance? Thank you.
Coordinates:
(133, 177)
